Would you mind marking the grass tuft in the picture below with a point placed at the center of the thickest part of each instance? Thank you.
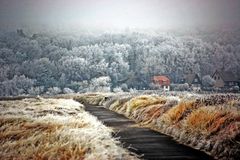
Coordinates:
(54, 129)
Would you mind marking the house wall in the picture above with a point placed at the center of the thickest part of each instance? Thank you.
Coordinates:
(161, 82)
(196, 81)
(219, 83)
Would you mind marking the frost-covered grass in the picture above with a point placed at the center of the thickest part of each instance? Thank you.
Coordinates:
(178, 112)
(210, 123)
(141, 102)
(54, 129)
(208, 120)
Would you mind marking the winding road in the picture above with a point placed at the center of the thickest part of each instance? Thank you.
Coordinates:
(151, 145)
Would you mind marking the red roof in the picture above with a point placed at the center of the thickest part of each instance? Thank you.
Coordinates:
(161, 78)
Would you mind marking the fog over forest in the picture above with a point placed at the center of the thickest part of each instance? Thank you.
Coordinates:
(77, 46)
(105, 14)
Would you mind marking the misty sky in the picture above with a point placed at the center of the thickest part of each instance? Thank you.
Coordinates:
(120, 13)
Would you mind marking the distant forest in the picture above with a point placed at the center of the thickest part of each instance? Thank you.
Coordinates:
(54, 63)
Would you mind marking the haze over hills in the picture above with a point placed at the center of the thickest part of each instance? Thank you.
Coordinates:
(108, 14)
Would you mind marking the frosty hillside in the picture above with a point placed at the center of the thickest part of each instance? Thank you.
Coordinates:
(54, 63)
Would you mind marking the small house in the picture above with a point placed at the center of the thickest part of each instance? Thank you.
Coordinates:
(224, 79)
(193, 80)
(162, 81)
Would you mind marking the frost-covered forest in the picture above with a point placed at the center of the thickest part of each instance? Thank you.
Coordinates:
(44, 62)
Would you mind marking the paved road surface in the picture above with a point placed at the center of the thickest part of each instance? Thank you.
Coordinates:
(143, 141)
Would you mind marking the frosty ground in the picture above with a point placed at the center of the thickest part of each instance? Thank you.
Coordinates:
(209, 123)
(54, 129)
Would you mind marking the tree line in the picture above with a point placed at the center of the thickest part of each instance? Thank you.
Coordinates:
(55, 63)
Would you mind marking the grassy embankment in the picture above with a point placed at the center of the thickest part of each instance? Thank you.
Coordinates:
(210, 123)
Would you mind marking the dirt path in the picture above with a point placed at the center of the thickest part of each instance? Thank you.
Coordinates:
(143, 141)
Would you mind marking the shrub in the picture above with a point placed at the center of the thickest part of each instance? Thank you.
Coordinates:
(67, 90)
(36, 90)
(235, 88)
(53, 91)
(117, 90)
(100, 84)
(78, 86)
(16, 86)
(208, 81)
(124, 87)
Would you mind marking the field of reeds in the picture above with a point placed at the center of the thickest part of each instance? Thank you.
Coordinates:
(210, 123)
(39, 128)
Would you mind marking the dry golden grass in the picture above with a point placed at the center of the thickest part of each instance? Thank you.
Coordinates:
(209, 123)
(234, 103)
(178, 112)
(54, 129)
(115, 105)
(208, 120)
(90, 98)
(143, 101)
(117, 102)
(26, 139)
(148, 113)
(230, 132)
(154, 112)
